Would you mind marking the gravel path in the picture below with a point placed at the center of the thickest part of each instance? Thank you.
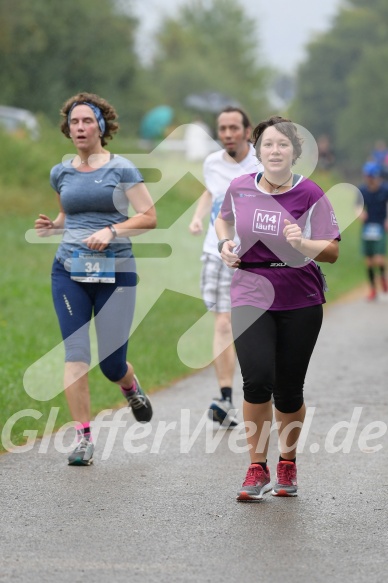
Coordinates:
(161, 507)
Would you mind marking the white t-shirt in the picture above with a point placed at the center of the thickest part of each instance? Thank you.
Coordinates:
(219, 170)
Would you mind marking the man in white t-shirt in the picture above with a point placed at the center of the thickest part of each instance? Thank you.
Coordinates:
(237, 158)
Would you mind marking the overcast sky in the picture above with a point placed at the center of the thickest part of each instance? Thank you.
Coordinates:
(284, 26)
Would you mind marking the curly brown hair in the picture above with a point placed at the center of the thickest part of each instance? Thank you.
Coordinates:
(108, 111)
(283, 125)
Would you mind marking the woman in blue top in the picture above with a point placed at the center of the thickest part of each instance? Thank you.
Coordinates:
(94, 272)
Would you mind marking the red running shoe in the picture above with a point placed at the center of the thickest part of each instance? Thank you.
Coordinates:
(372, 295)
(286, 484)
(257, 482)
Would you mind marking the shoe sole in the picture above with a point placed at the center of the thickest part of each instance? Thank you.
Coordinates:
(284, 493)
(246, 497)
(80, 462)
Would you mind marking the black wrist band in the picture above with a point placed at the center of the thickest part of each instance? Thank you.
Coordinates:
(221, 244)
(113, 231)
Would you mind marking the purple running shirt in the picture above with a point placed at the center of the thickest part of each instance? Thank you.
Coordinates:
(258, 218)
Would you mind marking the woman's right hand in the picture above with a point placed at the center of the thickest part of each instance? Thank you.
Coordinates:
(228, 257)
(44, 226)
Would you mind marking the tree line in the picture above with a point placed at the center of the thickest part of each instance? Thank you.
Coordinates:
(342, 86)
(52, 50)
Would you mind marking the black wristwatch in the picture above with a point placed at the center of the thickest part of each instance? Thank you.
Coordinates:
(221, 244)
(113, 231)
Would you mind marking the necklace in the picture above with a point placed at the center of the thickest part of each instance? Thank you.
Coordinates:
(98, 155)
(277, 187)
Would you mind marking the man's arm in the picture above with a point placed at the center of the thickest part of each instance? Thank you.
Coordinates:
(203, 208)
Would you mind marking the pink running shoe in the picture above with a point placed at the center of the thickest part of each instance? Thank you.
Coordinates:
(257, 482)
(286, 484)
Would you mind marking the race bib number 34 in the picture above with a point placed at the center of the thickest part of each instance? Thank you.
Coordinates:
(93, 267)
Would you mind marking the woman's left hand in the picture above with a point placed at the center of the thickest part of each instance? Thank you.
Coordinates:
(99, 240)
(293, 234)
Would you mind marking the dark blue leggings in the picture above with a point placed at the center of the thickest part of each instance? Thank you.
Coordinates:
(112, 305)
(274, 349)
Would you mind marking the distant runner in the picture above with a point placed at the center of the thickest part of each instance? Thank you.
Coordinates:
(220, 168)
(372, 203)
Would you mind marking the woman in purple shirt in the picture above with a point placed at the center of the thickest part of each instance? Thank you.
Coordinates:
(283, 222)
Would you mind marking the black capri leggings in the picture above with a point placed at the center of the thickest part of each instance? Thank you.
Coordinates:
(274, 349)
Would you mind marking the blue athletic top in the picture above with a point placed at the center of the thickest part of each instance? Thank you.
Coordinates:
(375, 203)
(92, 201)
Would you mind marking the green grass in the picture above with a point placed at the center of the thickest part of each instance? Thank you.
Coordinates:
(170, 339)
(348, 272)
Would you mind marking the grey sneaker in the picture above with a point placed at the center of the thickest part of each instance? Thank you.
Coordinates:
(140, 403)
(286, 483)
(223, 411)
(83, 453)
(257, 483)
